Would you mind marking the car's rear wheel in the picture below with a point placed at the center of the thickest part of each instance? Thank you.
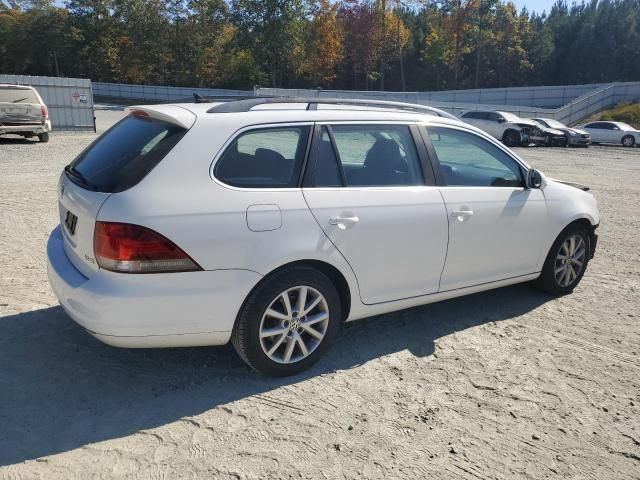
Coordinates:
(566, 262)
(511, 138)
(43, 137)
(288, 321)
(628, 141)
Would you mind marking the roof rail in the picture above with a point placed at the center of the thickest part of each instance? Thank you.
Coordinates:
(197, 98)
(246, 105)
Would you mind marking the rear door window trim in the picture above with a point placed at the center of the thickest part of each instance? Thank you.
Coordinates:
(426, 170)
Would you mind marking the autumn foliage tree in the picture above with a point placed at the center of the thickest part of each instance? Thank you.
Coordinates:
(353, 44)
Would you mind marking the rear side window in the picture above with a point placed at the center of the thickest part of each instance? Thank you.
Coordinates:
(264, 158)
(367, 156)
(18, 95)
(125, 154)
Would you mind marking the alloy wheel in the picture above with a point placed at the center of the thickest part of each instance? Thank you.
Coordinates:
(294, 324)
(570, 260)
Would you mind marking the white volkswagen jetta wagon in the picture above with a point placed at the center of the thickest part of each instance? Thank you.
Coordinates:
(269, 222)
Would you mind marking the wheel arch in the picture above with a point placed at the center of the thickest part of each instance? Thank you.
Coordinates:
(509, 130)
(334, 274)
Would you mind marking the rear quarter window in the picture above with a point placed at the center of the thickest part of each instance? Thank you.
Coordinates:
(264, 158)
(18, 95)
(125, 154)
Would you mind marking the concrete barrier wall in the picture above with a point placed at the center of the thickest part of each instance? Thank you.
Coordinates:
(541, 97)
(591, 99)
(158, 93)
(69, 100)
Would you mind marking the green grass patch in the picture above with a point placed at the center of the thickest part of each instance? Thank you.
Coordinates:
(624, 112)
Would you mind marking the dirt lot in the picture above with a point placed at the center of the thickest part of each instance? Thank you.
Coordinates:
(506, 384)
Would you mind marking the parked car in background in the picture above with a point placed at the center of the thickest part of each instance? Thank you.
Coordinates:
(612, 132)
(22, 112)
(267, 225)
(510, 129)
(549, 137)
(575, 136)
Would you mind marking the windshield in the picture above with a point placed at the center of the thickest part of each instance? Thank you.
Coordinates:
(124, 154)
(18, 95)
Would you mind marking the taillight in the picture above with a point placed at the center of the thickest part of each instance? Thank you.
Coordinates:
(127, 248)
(44, 111)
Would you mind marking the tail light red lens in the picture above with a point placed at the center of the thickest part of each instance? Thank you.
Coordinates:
(44, 111)
(127, 248)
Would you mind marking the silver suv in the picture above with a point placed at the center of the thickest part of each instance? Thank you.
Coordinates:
(22, 112)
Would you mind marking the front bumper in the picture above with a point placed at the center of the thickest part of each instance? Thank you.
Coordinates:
(593, 241)
(579, 141)
(149, 310)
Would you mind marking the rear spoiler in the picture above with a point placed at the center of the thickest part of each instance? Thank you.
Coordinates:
(167, 113)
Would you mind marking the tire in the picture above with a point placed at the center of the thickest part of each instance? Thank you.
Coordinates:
(268, 353)
(511, 138)
(558, 284)
(628, 141)
(43, 137)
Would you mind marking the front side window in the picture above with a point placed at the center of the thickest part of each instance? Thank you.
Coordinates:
(368, 156)
(267, 158)
(467, 159)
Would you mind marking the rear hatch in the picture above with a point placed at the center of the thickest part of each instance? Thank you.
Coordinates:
(19, 106)
(114, 162)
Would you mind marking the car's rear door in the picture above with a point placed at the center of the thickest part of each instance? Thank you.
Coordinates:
(19, 106)
(496, 224)
(371, 191)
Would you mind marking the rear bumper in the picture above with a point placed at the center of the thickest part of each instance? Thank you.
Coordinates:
(152, 310)
(20, 129)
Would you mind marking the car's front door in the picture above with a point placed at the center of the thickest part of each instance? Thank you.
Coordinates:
(496, 224)
(366, 189)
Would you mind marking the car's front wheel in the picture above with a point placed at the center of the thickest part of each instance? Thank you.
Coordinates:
(288, 321)
(43, 137)
(511, 138)
(628, 141)
(566, 262)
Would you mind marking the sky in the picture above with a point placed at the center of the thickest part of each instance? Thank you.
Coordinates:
(537, 6)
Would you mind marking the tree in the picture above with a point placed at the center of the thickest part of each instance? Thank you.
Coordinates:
(324, 45)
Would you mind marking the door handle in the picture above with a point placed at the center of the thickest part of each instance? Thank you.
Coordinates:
(343, 222)
(462, 215)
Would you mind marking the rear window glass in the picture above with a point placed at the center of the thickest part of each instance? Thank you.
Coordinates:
(125, 154)
(18, 95)
(267, 158)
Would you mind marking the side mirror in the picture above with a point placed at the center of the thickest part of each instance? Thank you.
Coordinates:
(534, 179)
(501, 120)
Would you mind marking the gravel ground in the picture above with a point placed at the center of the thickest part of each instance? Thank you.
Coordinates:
(505, 384)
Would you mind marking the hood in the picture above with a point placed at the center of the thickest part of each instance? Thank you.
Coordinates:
(527, 123)
(552, 131)
(576, 131)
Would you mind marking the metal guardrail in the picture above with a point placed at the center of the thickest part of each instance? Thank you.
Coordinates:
(69, 100)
